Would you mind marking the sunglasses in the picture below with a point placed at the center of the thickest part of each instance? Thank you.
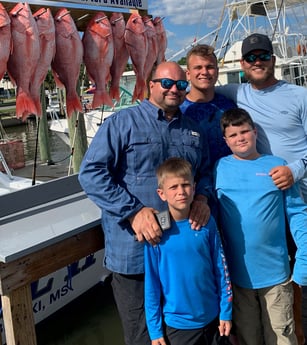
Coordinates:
(253, 57)
(168, 83)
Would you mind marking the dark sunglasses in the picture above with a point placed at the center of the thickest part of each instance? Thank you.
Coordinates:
(253, 57)
(168, 83)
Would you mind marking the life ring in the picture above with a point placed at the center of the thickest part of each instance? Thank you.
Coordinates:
(301, 48)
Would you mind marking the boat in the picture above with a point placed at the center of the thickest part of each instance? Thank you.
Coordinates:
(269, 17)
(94, 118)
(10, 183)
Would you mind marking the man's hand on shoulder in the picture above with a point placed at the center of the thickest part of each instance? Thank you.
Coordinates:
(200, 212)
(145, 226)
(282, 177)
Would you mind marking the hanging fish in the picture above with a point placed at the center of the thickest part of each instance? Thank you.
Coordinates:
(98, 55)
(153, 49)
(24, 58)
(137, 45)
(46, 30)
(68, 58)
(161, 37)
(121, 55)
(5, 40)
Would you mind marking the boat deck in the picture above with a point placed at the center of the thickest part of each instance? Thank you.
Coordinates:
(44, 172)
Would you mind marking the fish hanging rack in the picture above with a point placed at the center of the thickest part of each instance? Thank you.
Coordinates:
(82, 11)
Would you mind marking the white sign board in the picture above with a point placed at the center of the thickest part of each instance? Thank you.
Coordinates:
(129, 4)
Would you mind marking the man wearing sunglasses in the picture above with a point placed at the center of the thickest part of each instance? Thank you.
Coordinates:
(279, 110)
(118, 174)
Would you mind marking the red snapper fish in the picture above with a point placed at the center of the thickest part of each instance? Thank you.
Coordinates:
(153, 49)
(68, 58)
(24, 58)
(5, 40)
(98, 55)
(46, 30)
(137, 45)
(161, 37)
(121, 55)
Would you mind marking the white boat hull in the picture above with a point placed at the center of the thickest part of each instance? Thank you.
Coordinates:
(92, 120)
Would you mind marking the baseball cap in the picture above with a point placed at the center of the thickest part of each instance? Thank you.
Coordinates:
(256, 42)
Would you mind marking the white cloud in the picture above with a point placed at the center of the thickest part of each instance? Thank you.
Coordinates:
(189, 12)
(189, 20)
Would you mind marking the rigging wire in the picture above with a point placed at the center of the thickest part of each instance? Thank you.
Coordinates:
(200, 21)
(219, 25)
(277, 19)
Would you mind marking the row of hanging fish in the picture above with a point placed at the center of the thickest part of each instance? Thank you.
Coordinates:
(31, 43)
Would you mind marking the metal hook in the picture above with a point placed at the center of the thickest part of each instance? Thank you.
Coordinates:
(63, 15)
(40, 14)
(17, 12)
(100, 19)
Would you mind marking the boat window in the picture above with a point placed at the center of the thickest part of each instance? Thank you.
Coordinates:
(236, 77)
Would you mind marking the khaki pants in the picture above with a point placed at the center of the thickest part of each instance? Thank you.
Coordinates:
(264, 316)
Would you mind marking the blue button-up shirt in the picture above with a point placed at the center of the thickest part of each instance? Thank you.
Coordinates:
(118, 173)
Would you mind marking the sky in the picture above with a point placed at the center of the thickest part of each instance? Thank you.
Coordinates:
(189, 20)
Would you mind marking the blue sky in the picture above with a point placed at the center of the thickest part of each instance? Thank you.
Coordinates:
(192, 19)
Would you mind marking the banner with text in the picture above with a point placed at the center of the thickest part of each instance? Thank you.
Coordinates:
(129, 4)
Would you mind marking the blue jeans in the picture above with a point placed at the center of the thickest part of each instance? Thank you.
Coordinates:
(128, 291)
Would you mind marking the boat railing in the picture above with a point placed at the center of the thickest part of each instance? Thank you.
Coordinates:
(5, 166)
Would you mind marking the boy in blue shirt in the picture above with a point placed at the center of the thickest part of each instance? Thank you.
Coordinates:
(252, 213)
(186, 277)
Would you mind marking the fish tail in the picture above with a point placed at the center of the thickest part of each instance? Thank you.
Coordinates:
(143, 93)
(24, 105)
(140, 90)
(101, 97)
(114, 92)
(38, 106)
(73, 104)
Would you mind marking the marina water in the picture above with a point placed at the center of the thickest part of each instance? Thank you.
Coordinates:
(27, 132)
(92, 318)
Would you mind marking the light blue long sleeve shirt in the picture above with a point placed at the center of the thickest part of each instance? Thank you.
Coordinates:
(252, 213)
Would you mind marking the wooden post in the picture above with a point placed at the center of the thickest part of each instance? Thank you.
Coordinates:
(16, 278)
(43, 137)
(78, 139)
(18, 321)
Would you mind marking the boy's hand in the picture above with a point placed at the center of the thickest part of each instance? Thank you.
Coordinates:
(159, 341)
(225, 327)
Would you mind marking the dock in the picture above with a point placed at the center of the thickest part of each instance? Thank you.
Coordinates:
(43, 246)
(44, 171)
